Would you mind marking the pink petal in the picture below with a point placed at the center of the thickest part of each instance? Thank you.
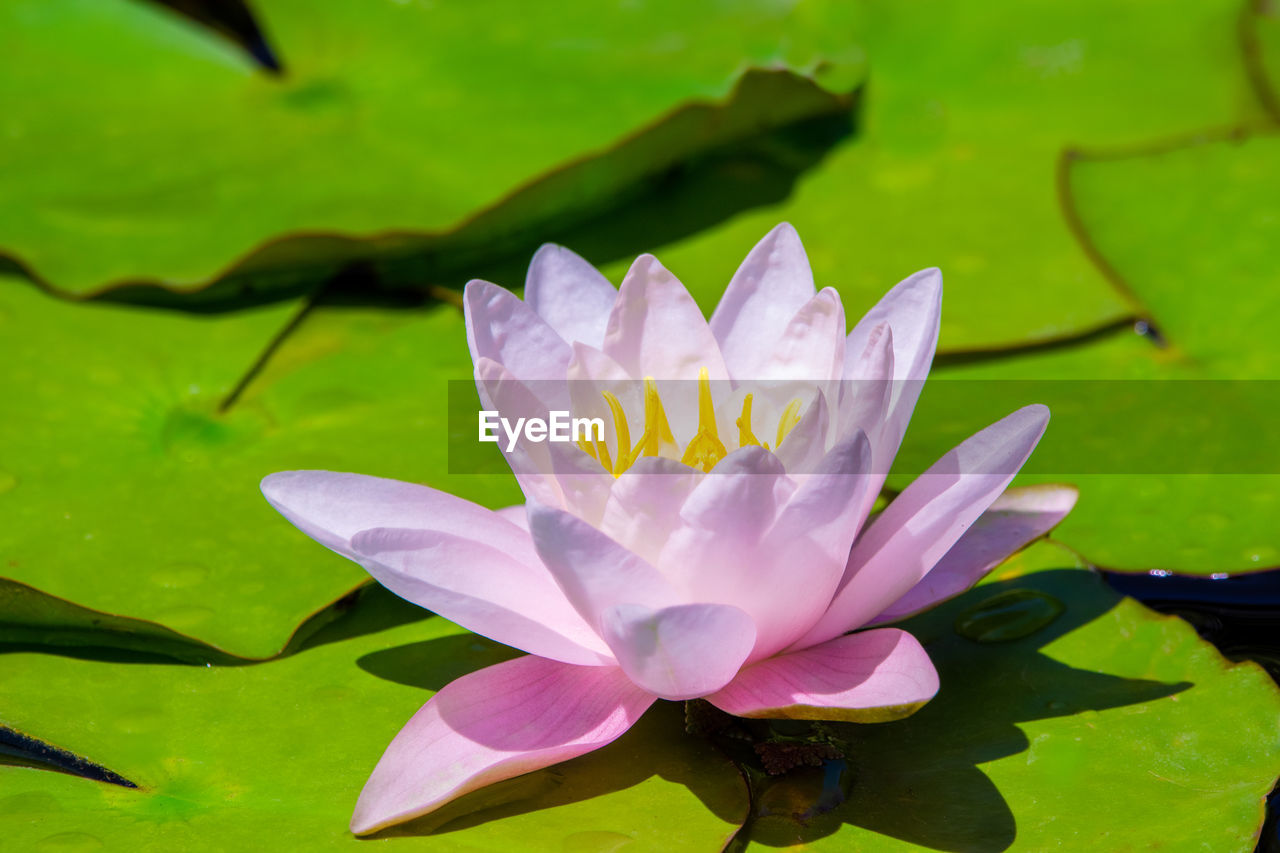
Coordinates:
(656, 328)
(570, 294)
(737, 498)
(594, 571)
(780, 566)
(552, 473)
(475, 567)
(771, 285)
(495, 724)
(827, 508)
(591, 373)
(331, 508)
(868, 677)
(805, 446)
(912, 309)
(468, 582)
(808, 545)
(517, 515)
(644, 505)
(501, 327)
(922, 523)
(810, 347)
(1017, 518)
(715, 546)
(864, 405)
(679, 652)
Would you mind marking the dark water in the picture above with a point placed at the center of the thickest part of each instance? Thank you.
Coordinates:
(1240, 614)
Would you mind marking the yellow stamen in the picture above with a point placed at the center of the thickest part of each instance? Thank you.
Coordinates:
(786, 423)
(657, 432)
(706, 449)
(622, 432)
(745, 435)
(602, 450)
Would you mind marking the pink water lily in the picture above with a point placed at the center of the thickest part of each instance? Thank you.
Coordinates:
(721, 555)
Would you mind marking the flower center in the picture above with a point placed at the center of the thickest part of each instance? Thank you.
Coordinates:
(703, 451)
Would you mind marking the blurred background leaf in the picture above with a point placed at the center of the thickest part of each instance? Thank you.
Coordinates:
(143, 147)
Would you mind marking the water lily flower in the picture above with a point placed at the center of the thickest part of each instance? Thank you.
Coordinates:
(718, 544)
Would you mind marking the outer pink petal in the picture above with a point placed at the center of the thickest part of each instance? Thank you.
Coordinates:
(1017, 517)
(494, 724)
(570, 294)
(923, 522)
(331, 508)
(501, 327)
(516, 515)
(466, 581)
(868, 677)
(913, 310)
(473, 567)
(656, 328)
(594, 571)
(679, 652)
(771, 285)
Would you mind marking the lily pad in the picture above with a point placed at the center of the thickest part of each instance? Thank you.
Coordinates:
(1260, 29)
(1101, 730)
(394, 125)
(127, 490)
(956, 163)
(223, 755)
(1190, 479)
(1103, 695)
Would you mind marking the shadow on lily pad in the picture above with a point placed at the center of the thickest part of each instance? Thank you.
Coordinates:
(655, 750)
(918, 780)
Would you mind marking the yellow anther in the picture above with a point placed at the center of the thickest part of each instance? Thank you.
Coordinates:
(745, 435)
(622, 432)
(602, 451)
(706, 408)
(706, 449)
(657, 432)
(786, 423)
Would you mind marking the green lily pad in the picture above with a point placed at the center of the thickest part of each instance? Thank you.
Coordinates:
(1100, 695)
(1101, 730)
(1168, 442)
(1261, 40)
(125, 490)
(956, 163)
(394, 125)
(227, 756)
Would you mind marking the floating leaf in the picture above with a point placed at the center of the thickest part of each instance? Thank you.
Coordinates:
(128, 491)
(1024, 736)
(1260, 28)
(1179, 475)
(227, 756)
(956, 159)
(141, 146)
